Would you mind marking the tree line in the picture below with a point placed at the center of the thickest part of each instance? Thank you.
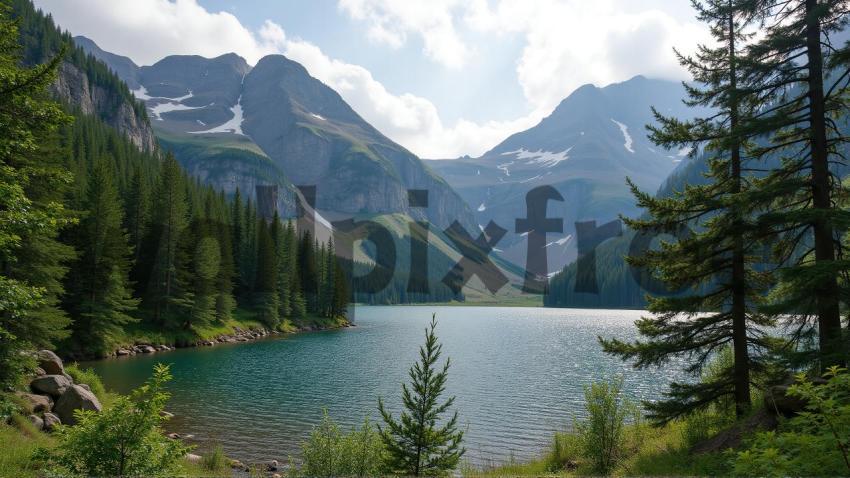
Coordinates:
(97, 236)
(763, 250)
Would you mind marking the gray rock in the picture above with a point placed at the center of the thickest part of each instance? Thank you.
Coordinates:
(37, 403)
(51, 421)
(147, 349)
(37, 422)
(122, 352)
(53, 385)
(50, 362)
(68, 376)
(75, 398)
(86, 386)
(193, 458)
(39, 372)
(272, 465)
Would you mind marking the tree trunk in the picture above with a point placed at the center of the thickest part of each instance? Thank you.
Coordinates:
(826, 290)
(741, 372)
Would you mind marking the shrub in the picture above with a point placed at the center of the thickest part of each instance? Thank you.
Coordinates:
(566, 452)
(602, 434)
(124, 439)
(88, 377)
(330, 452)
(815, 442)
(215, 461)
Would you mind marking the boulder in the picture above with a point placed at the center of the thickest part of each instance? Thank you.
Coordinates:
(51, 421)
(36, 421)
(86, 386)
(122, 352)
(50, 362)
(777, 401)
(272, 465)
(53, 385)
(193, 458)
(75, 398)
(37, 403)
(39, 372)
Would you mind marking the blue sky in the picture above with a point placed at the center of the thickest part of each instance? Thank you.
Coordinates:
(441, 77)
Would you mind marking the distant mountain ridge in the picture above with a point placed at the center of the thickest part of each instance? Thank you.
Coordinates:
(239, 127)
(585, 149)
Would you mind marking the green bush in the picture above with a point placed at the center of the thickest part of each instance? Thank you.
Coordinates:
(330, 452)
(601, 435)
(124, 439)
(88, 377)
(815, 442)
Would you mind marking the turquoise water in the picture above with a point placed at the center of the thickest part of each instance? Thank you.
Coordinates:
(517, 374)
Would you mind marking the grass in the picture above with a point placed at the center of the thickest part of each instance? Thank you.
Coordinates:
(648, 451)
(19, 442)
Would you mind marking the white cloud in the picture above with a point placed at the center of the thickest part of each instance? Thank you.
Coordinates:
(391, 20)
(147, 30)
(567, 43)
(410, 120)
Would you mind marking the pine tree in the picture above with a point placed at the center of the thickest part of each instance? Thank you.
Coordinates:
(171, 221)
(99, 291)
(714, 264)
(416, 444)
(298, 304)
(31, 215)
(265, 288)
(285, 235)
(307, 268)
(802, 76)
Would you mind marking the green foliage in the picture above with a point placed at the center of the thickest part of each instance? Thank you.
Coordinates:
(215, 461)
(602, 433)
(815, 442)
(416, 444)
(124, 439)
(331, 452)
(31, 211)
(88, 377)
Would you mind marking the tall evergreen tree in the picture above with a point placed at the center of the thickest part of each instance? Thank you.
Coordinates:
(171, 221)
(265, 285)
(99, 292)
(801, 76)
(714, 264)
(417, 444)
(31, 259)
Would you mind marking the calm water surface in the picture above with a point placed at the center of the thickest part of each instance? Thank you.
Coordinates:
(517, 374)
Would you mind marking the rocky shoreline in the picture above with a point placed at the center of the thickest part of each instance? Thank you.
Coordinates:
(238, 335)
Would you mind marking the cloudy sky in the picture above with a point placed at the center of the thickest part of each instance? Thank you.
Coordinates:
(442, 77)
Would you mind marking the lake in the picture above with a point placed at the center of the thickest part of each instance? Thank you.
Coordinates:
(518, 374)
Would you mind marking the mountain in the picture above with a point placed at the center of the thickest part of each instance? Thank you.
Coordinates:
(82, 82)
(587, 147)
(236, 126)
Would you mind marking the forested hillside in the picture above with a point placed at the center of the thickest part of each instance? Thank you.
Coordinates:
(103, 238)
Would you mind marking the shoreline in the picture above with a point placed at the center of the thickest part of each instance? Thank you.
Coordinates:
(236, 336)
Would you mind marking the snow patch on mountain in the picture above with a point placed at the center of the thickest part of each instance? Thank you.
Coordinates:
(233, 125)
(626, 136)
(504, 167)
(546, 159)
(482, 208)
(318, 117)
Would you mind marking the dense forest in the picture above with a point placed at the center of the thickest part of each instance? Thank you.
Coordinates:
(99, 237)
